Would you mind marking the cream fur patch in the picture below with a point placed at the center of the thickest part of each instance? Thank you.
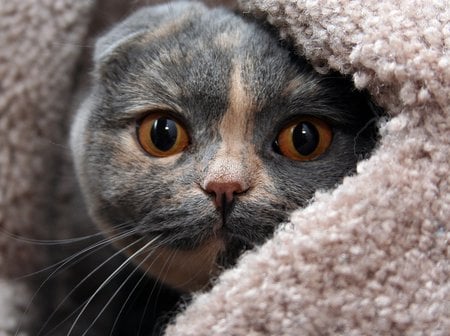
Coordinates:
(235, 132)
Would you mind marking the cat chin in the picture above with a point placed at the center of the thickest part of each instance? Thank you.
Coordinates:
(184, 270)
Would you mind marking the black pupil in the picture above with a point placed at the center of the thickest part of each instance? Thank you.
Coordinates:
(164, 134)
(305, 138)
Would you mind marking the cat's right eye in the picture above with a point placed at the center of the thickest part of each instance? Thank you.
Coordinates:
(160, 135)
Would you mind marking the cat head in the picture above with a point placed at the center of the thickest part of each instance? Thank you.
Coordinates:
(201, 133)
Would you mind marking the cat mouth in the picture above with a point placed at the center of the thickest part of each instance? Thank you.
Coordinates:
(233, 246)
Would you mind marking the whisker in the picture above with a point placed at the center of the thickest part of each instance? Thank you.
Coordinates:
(50, 332)
(50, 242)
(144, 275)
(60, 266)
(125, 235)
(121, 286)
(141, 323)
(93, 247)
(116, 321)
(109, 278)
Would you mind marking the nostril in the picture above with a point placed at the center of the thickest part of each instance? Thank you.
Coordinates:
(224, 192)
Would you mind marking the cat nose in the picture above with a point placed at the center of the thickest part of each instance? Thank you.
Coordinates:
(224, 192)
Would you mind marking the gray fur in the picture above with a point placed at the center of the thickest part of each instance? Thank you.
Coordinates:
(139, 65)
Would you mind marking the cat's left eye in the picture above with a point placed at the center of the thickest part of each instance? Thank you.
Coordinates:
(304, 139)
(160, 135)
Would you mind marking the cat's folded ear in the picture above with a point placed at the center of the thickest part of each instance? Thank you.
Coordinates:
(153, 21)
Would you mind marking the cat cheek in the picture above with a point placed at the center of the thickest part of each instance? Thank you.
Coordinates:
(128, 154)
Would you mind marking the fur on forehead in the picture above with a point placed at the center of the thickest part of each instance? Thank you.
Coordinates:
(145, 20)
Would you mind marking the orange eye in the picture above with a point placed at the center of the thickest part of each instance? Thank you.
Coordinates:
(304, 139)
(161, 136)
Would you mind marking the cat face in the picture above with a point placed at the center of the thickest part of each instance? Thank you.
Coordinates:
(201, 134)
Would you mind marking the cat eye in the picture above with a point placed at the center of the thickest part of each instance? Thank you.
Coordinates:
(161, 135)
(304, 139)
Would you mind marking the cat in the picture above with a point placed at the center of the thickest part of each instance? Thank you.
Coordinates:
(201, 133)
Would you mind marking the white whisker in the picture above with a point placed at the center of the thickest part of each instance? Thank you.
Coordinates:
(120, 287)
(144, 275)
(46, 242)
(60, 265)
(152, 291)
(113, 274)
(125, 235)
(93, 248)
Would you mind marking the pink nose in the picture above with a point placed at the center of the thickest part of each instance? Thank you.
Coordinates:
(224, 192)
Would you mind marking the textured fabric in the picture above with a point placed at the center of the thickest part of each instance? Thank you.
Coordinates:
(372, 257)
(40, 45)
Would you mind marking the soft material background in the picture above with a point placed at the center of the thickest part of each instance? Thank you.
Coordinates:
(370, 258)
(40, 45)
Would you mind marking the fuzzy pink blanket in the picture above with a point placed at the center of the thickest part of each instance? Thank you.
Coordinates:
(371, 257)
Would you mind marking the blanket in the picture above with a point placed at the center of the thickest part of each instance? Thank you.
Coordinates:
(370, 257)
